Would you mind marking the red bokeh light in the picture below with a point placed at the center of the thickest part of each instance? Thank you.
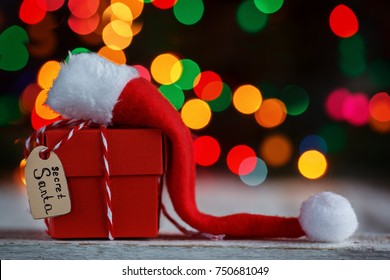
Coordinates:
(164, 4)
(208, 85)
(206, 150)
(343, 21)
(237, 155)
(32, 11)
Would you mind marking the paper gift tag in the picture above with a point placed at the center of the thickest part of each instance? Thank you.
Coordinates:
(46, 184)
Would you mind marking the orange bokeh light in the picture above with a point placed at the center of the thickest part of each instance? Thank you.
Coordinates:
(271, 113)
(276, 150)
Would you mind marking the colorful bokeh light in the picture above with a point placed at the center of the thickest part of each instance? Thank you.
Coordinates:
(53, 5)
(166, 68)
(206, 150)
(117, 56)
(196, 114)
(188, 12)
(117, 35)
(83, 9)
(247, 99)
(48, 73)
(136, 6)
(296, 99)
(271, 113)
(249, 18)
(276, 150)
(335, 102)
(164, 4)
(43, 110)
(119, 10)
(343, 21)
(174, 95)
(352, 56)
(13, 51)
(83, 26)
(237, 155)
(32, 11)
(313, 142)
(355, 109)
(223, 101)
(312, 164)
(38, 122)
(379, 107)
(257, 176)
(269, 6)
(143, 72)
(190, 71)
(208, 85)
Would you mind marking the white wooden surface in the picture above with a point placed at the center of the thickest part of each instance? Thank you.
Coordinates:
(21, 237)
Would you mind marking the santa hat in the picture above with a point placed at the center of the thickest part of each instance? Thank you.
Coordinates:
(89, 87)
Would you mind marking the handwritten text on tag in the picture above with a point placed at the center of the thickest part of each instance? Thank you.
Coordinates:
(47, 188)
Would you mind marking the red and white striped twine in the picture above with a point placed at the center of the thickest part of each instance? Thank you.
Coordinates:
(79, 124)
(103, 134)
(36, 136)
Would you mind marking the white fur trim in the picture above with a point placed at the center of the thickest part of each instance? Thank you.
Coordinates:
(327, 217)
(88, 87)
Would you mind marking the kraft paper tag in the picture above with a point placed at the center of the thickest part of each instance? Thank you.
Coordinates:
(46, 184)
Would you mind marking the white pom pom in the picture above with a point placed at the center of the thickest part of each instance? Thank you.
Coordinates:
(327, 217)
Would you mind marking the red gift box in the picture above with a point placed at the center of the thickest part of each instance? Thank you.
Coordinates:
(135, 158)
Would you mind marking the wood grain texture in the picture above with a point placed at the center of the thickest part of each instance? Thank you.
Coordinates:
(21, 237)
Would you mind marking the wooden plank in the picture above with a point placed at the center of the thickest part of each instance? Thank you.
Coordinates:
(36, 245)
(21, 237)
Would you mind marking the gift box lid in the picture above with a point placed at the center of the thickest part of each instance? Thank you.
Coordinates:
(130, 151)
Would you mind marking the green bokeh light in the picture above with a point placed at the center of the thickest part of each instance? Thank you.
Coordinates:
(223, 101)
(296, 99)
(352, 56)
(13, 51)
(269, 6)
(335, 137)
(190, 71)
(188, 12)
(174, 95)
(249, 18)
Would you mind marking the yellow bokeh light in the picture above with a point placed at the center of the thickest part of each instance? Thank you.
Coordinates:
(166, 69)
(312, 164)
(121, 11)
(122, 28)
(271, 113)
(276, 150)
(136, 6)
(247, 99)
(48, 73)
(43, 110)
(196, 114)
(118, 56)
(117, 35)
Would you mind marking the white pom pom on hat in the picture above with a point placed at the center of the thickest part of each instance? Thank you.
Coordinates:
(327, 217)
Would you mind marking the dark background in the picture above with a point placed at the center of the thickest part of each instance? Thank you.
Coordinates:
(296, 47)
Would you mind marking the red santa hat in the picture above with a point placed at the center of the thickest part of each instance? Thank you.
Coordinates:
(89, 87)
